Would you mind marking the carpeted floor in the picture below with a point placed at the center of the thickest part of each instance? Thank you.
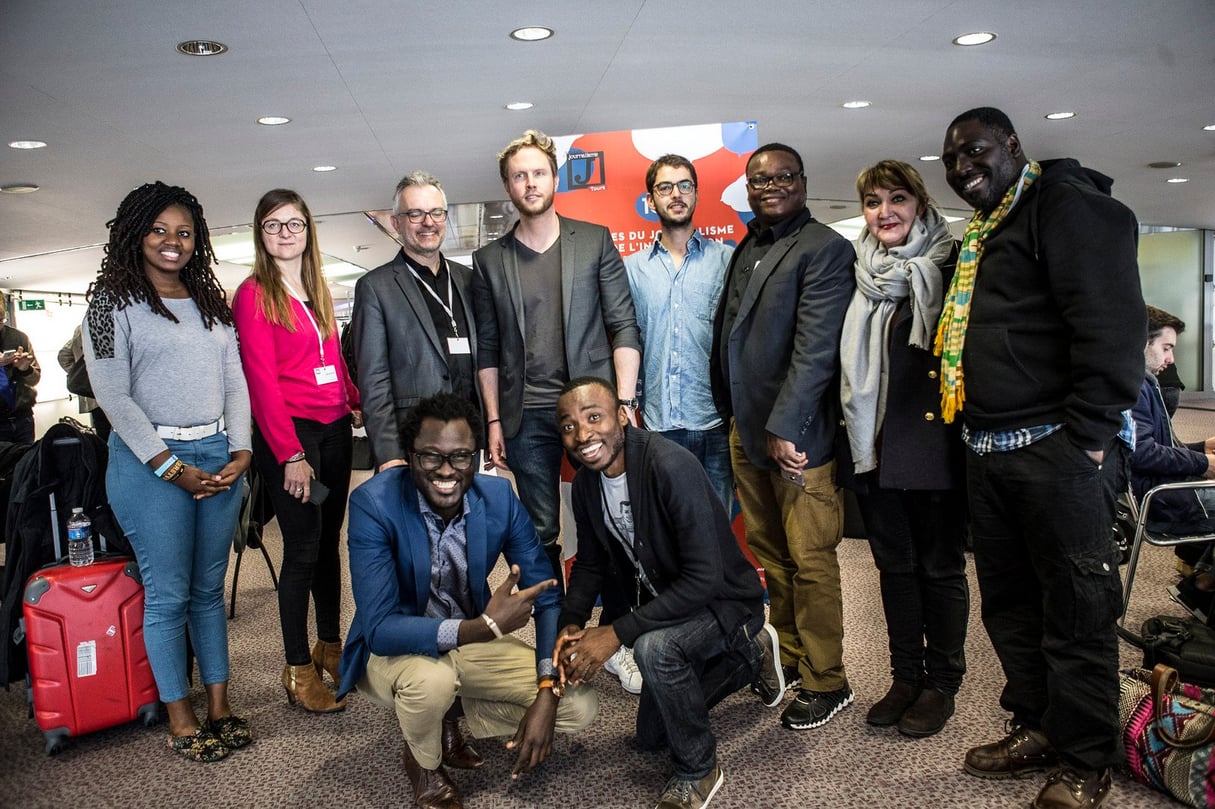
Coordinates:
(353, 758)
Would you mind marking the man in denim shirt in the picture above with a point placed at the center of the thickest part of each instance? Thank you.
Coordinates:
(676, 284)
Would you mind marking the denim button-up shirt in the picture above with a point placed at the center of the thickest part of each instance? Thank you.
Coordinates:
(675, 310)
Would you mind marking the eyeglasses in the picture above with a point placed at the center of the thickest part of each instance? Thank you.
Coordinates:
(666, 189)
(273, 226)
(437, 215)
(433, 461)
(783, 180)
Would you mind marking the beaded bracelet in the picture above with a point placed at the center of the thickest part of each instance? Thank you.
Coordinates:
(492, 624)
(175, 471)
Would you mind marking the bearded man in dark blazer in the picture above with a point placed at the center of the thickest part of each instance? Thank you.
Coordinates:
(552, 302)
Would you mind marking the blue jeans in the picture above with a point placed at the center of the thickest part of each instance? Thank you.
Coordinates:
(688, 668)
(712, 448)
(182, 546)
(1048, 576)
(534, 456)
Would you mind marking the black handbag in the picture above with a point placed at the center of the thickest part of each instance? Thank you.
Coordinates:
(78, 380)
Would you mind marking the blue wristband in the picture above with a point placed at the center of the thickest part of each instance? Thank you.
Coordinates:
(164, 467)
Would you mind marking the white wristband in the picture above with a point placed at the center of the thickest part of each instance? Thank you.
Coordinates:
(492, 624)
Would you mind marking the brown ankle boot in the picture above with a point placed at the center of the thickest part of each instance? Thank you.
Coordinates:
(432, 789)
(305, 687)
(326, 656)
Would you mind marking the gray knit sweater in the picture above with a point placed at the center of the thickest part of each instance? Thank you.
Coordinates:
(147, 370)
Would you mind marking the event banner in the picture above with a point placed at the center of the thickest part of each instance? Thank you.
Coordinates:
(601, 179)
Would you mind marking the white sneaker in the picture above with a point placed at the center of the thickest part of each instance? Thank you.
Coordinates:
(622, 665)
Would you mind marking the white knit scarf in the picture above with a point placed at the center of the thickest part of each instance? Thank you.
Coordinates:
(885, 278)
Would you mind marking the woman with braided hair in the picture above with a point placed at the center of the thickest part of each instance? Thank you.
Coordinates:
(162, 355)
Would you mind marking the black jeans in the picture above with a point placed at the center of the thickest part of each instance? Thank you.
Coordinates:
(311, 534)
(1048, 575)
(918, 544)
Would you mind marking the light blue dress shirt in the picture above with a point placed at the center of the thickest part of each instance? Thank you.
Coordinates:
(675, 310)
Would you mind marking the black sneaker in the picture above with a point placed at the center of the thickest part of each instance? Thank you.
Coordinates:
(814, 708)
(769, 683)
(793, 678)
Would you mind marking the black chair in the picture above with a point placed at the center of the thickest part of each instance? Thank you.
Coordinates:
(1146, 531)
(255, 512)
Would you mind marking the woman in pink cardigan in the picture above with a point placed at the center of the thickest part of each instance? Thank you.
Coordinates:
(304, 404)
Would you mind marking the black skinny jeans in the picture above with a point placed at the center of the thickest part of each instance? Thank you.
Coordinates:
(311, 534)
(918, 540)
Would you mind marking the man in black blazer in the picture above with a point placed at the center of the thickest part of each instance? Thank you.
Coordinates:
(414, 332)
(552, 302)
(774, 365)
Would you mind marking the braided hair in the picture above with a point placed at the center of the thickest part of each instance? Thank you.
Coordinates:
(122, 274)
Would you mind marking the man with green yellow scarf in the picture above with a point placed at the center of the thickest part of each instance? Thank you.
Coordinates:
(1041, 345)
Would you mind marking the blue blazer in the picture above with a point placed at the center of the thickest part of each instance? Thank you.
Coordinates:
(390, 567)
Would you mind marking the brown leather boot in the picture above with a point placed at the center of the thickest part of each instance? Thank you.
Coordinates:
(303, 686)
(432, 789)
(326, 657)
(458, 751)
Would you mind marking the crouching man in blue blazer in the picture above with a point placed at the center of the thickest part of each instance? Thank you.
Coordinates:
(423, 540)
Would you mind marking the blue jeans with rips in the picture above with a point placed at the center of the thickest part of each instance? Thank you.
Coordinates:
(688, 668)
(182, 546)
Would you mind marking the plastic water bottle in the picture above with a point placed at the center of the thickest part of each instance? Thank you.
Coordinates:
(80, 538)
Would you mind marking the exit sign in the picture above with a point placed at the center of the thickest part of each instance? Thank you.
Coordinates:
(31, 305)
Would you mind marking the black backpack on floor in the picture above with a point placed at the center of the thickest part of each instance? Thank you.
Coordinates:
(1185, 644)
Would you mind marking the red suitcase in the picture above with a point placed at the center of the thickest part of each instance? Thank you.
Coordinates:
(84, 637)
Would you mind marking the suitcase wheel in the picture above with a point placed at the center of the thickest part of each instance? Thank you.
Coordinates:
(56, 741)
(150, 714)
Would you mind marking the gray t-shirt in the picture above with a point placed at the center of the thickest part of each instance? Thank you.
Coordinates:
(540, 282)
(147, 370)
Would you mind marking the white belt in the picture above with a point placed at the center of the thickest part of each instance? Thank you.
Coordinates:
(190, 433)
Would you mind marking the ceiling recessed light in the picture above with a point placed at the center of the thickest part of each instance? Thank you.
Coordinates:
(201, 47)
(1209, 128)
(1179, 179)
(520, 105)
(855, 105)
(1059, 116)
(929, 157)
(531, 33)
(974, 38)
(27, 144)
(19, 188)
(497, 216)
(1164, 164)
(324, 168)
(273, 120)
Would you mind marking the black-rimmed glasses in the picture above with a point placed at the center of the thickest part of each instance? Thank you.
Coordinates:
(666, 189)
(273, 226)
(437, 215)
(433, 461)
(783, 180)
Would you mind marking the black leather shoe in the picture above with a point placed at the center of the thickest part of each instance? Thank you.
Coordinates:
(432, 789)
(1024, 750)
(927, 715)
(889, 709)
(1069, 788)
(458, 751)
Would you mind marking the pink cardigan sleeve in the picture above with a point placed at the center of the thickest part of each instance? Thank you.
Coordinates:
(261, 364)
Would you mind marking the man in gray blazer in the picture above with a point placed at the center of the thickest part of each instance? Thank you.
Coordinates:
(552, 302)
(414, 332)
(774, 365)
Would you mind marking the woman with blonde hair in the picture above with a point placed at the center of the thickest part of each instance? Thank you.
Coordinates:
(906, 462)
(304, 404)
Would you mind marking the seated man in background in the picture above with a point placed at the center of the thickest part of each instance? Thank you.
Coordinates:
(426, 629)
(651, 527)
(1160, 458)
